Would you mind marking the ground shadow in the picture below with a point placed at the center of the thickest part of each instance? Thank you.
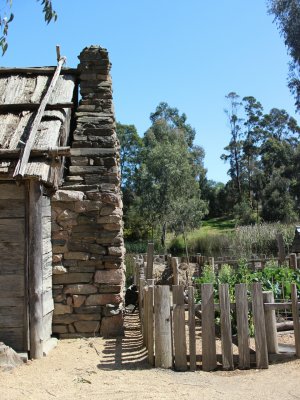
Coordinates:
(125, 352)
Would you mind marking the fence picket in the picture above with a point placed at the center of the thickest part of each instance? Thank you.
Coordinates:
(179, 328)
(209, 359)
(226, 334)
(295, 311)
(192, 330)
(242, 325)
(259, 326)
(150, 325)
(163, 342)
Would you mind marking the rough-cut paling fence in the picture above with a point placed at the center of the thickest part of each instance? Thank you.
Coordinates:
(168, 325)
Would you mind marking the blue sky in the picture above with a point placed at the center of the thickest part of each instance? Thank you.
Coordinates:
(189, 53)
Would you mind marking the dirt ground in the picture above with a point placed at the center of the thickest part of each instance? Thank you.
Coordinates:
(117, 369)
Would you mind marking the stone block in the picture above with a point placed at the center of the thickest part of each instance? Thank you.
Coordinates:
(88, 205)
(109, 219)
(78, 300)
(113, 276)
(102, 299)
(87, 326)
(116, 251)
(83, 170)
(59, 269)
(80, 289)
(113, 289)
(76, 255)
(108, 210)
(112, 326)
(59, 329)
(67, 195)
(79, 161)
(93, 310)
(56, 258)
(62, 309)
(72, 278)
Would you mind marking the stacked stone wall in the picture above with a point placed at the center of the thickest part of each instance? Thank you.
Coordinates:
(87, 231)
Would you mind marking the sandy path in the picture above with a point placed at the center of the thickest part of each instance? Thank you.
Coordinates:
(117, 369)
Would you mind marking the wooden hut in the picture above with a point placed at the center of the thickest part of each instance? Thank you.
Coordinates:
(37, 108)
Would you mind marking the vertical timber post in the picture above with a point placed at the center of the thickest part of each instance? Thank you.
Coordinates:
(35, 260)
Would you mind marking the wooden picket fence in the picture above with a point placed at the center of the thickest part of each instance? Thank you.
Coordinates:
(168, 320)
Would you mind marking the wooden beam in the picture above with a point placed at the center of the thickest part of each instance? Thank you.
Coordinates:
(35, 261)
(38, 71)
(23, 160)
(42, 152)
(17, 107)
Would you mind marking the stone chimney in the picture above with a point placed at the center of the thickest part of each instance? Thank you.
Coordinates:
(87, 228)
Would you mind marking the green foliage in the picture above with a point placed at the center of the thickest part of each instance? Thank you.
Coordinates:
(272, 277)
(218, 237)
(161, 175)
(287, 16)
(263, 156)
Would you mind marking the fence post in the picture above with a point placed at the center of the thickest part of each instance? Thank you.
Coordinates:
(145, 316)
(242, 325)
(150, 256)
(259, 327)
(293, 261)
(209, 358)
(270, 322)
(150, 322)
(175, 270)
(295, 311)
(192, 328)
(163, 339)
(226, 334)
(179, 328)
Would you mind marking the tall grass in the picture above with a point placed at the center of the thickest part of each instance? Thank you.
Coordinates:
(243, 241)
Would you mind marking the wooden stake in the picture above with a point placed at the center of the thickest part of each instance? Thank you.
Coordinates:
(270, 322)
(163, 341)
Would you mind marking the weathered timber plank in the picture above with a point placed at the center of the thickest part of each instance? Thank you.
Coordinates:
(151, 325)
(270, 322)
(242, 325)
(192, 328)
(13, 337)
(145, 319)
(23, 160)
(209, 360)
(92, 151)
(10, 208)
(12, 230)
(48, 303)
(163, 342)
(38, 71)
(11, 191)
(12, 257)
(47, 326)
(226, 334)
(35, 280)
(13, 319)
(179, 328)
(259, 327)
(150, 255)
(295, 311)
(11, 302)
(10, 108)
(11, 285)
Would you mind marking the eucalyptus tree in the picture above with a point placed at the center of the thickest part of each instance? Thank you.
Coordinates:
(287, 16)
(171, 167)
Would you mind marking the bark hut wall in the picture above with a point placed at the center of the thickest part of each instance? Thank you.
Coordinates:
(87, 232)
